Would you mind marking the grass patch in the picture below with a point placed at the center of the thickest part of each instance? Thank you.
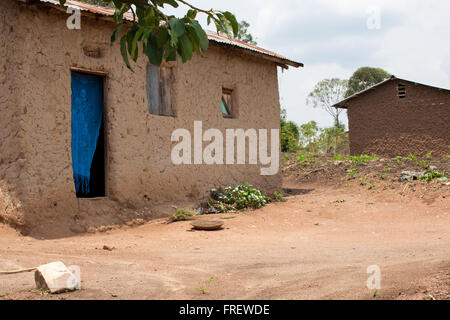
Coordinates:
(184, 214)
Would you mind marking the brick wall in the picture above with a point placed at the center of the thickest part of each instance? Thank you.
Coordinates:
(380, 122)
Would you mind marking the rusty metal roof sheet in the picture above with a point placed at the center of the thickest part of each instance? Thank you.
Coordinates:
(213, 36)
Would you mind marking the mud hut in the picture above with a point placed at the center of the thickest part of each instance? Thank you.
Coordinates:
(70, 109)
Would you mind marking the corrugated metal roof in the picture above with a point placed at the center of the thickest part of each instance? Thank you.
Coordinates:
(343, 104)
(213, 36)
(104, 11)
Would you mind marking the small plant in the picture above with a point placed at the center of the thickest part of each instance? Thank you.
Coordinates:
(286, 157)
(431, 175)
(363, 181)
(306, 159)
(338, 157)
(429, 155)
(352, 172)
(208, 282)
(412, 157)
(360, 159)
(399, 160)
(382, 176)
(387, 170)
(340, 201)
(424, 164)
(184, 214)
(277, 197)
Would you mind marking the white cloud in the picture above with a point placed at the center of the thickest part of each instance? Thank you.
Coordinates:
(332, 39)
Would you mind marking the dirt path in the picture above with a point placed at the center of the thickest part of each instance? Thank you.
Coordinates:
(309, 247)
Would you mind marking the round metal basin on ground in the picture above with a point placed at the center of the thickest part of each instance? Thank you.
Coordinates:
(207, 225)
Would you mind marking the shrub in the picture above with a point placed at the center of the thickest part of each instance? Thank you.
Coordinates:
(431, 175)
(289, 136)
(241, 197)
(277, 197)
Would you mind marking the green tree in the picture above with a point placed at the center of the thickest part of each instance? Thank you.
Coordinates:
(333, 139)
(308, 135)
(364, 78)
(326, 94)
(161, 36)
(289, 134)
(244, 34)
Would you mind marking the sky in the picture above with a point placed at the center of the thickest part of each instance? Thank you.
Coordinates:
(407, 38)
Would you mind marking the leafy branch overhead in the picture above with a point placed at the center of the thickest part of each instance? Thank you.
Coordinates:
(165, 37)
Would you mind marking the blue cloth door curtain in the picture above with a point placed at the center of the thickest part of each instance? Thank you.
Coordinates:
(87, 118)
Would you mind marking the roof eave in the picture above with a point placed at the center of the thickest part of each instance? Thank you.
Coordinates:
(279, 61)
(283, 63)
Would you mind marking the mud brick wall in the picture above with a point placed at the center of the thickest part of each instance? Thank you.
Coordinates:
(384, 124)
(35, 115)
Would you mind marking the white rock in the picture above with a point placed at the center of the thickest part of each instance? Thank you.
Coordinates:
(56, 278)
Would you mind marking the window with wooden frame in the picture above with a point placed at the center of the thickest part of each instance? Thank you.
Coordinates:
(159, 83)
(226, 104)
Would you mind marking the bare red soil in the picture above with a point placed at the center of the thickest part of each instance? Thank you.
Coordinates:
(316, 245)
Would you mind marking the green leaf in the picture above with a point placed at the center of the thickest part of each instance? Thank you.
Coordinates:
(177, 25)
(62, 2)
(173, 38)
(191, 14)
(153, 52)
(132, 45)
(116, 34)
(170, 53)
(185, 48)
(201, 34)
(163, 37)
(232, 19)
(123, 51)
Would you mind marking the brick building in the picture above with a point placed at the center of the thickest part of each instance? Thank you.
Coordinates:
(398, 117)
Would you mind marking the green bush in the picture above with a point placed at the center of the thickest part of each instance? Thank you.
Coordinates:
(238, 198)
(277, 197)
(289, 136)
(431, 175)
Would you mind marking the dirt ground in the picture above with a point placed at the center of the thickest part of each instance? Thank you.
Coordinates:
(316, 245)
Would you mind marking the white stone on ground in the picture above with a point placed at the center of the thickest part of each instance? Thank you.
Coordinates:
(56, 278)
